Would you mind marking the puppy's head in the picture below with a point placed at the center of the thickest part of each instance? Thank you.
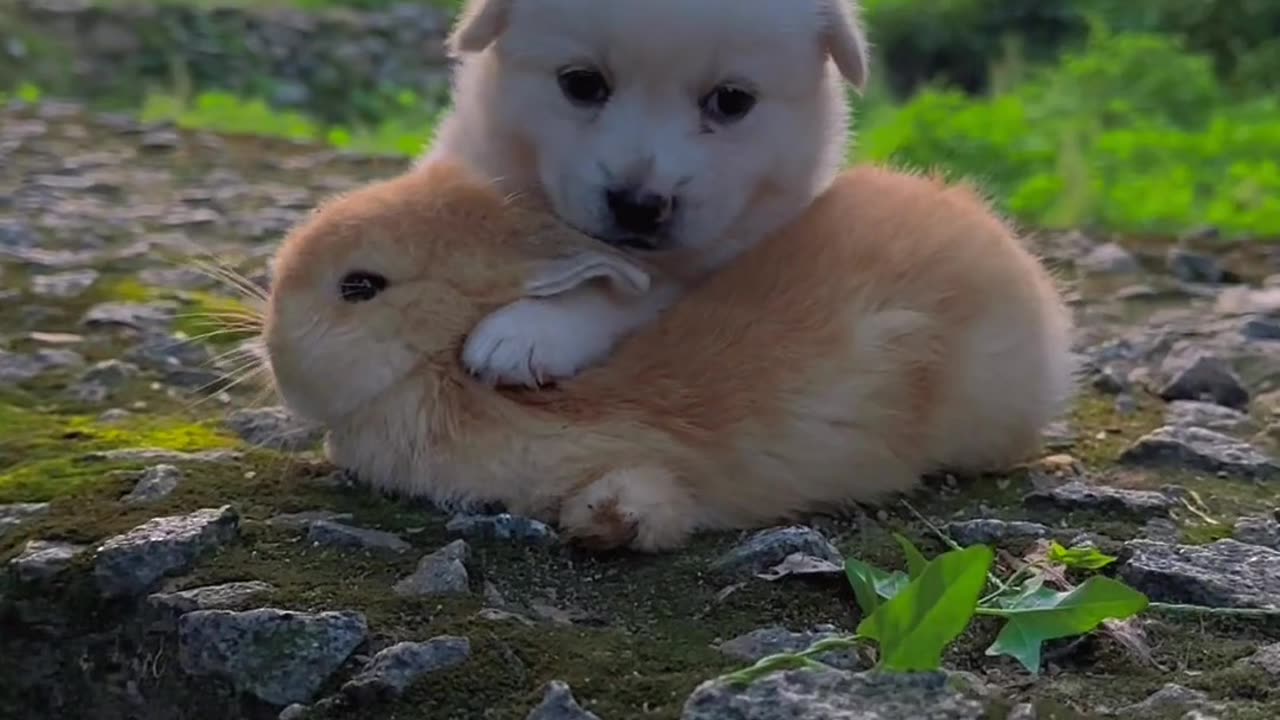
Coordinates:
(666, 124)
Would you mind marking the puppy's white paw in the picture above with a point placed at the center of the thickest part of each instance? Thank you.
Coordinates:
(533, 342)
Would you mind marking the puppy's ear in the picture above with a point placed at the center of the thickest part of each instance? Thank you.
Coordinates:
(480, 23)
(557, 275)
(845, 40)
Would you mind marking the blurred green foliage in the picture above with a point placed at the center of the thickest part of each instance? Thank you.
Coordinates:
(1153, 117)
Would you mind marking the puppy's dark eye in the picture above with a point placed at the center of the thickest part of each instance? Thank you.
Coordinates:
(584, 86)
(359, 286)
(727, 103)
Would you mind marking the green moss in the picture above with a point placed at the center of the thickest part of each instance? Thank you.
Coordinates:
(1104, 432)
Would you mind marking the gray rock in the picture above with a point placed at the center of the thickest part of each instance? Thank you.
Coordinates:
(1266, 659)
(40, 560)
(1161, 530)
(303, 520)
(990, 531)
(64, 286)
(15, 368)
(504, 527)
(164, 352)
(327, 532)
(1264, 531)
(394, 669)
(768, 548)
(1077, 495)
(156, 483)
(1205, 378)
(1109, 259)
(280, 657)
(837, 695)
(1227, 573)
(15, 234)
(766, 641)
(443, 572)
(274, 428)
(131, 563)
(1210, 416)
(133, 316)
(1166, 702)
(296, 711)
(167, 607)
(1193, 448)
(1193, 267)
(13, 515)
(1260, 328)
(558, 703)
(1111, 381)
(110, 373)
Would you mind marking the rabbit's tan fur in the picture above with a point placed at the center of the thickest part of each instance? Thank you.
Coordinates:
(897, 327)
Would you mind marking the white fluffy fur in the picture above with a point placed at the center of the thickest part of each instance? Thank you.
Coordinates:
(512, 124)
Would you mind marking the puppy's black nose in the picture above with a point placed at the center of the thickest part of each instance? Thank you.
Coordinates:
(639, 212)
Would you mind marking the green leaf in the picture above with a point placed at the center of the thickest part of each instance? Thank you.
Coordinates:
(863, 583)
(885, 584)
(915, 560)
(1046, 615)
(915, 626)
(1082, 558)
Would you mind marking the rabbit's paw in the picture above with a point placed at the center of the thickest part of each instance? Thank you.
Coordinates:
(533, 342)
(641, 508)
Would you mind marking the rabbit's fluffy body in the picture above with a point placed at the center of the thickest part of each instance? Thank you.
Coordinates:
(898, 327)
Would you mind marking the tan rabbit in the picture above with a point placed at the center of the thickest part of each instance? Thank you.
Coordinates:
(898, 327)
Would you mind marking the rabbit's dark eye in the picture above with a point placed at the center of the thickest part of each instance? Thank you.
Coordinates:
(359, 286)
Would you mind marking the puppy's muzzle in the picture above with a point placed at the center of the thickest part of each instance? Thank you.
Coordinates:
(639, 216)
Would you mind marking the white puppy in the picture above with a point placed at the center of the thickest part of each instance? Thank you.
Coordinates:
(684, 130)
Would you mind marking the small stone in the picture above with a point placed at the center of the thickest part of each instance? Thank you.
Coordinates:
(815, 694)
(296, 711)
(168, 607)
(503, 527)
(443, 572)
(64, 286)
(1166, 702)
(1264, 531)
(1260, 328)
(773, 640)
(1077, 495)
(1108, 380)
(1193, 267)
(280, 657)
(13, 515)
(131, 563)
(166, 352)
(156, 483)
(304, 520)
(768, 548)
(1109, 259)
(1205, 378)
(1267, 659)
(990, 531)
(110, 373)
(1193, 448)
(134, 316)
(394, 669)
(275, 428)
(1210, 416)
(41, 560)
(1226, 573)
(327, 532)
(1023, 711)
(558, 703)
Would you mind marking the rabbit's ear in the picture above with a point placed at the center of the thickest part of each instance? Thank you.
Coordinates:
(562, 274)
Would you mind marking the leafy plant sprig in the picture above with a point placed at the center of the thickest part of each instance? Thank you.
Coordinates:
(912, 617)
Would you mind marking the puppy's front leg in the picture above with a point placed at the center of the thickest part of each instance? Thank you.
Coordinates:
(534, 341)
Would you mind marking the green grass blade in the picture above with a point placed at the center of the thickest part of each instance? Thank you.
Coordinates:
(916, 561)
